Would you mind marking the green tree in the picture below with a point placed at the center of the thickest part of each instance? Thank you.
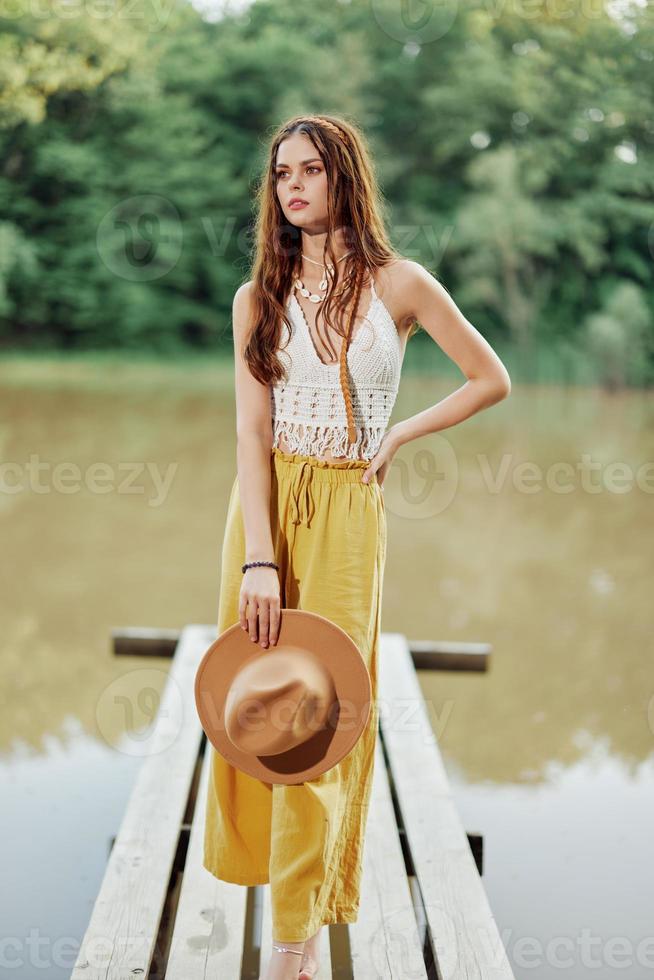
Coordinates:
(513, 146)
(620, 338)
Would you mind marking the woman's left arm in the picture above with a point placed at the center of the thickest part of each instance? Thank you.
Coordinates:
(488, 380)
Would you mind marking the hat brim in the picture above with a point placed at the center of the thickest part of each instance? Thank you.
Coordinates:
(303, 630)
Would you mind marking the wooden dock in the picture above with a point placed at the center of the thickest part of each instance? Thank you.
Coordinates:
(424, 911)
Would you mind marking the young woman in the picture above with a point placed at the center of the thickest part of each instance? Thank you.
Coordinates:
(313, 450)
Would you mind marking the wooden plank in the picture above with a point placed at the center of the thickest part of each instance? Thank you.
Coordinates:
(465, 939)
(384, 941)
(121, 935)
(449, 655)
(266, 929)
(144, 641)
(209, 933)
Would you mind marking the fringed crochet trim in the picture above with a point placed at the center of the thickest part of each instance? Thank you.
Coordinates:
(315, 440)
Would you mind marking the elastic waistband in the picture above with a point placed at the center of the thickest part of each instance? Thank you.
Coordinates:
(327, 471)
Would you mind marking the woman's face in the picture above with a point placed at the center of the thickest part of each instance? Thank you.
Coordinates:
(300, 173)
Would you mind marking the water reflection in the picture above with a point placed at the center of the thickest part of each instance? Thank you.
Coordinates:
(484, 544)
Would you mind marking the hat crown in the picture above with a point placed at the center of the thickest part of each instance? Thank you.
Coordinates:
(278, 700)
(325, 679)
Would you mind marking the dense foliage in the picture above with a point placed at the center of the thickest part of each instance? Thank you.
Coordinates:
(514, 148)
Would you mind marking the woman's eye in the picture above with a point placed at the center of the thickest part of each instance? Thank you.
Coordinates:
(284, 173)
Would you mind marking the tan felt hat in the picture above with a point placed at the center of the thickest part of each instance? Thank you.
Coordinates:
(288, 712)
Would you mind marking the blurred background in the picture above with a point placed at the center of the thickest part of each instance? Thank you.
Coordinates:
(514, 147)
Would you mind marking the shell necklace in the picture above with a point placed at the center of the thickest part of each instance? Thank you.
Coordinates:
(327, 271)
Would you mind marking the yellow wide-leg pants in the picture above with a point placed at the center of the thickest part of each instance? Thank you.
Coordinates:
(329, 537)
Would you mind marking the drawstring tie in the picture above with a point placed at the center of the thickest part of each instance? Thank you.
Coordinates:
(301, 496)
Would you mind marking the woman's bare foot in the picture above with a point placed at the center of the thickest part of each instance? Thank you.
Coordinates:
(284, 965)
(310, 961)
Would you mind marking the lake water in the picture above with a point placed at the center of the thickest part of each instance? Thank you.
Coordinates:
(528, 526)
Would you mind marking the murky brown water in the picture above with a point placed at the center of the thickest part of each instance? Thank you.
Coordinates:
(528, 526)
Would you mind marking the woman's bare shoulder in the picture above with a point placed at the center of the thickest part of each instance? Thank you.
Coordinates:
(242, 309)
(244, 294)
(395, 284)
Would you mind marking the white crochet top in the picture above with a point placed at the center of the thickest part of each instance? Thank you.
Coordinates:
(308, 408)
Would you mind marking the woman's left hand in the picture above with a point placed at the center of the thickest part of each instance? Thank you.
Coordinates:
(380, 463)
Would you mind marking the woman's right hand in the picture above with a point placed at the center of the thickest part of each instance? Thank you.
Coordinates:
(259, 604)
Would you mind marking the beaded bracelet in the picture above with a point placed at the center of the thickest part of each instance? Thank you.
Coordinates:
(252, 564)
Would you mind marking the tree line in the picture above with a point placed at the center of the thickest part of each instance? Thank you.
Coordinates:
(513, 147)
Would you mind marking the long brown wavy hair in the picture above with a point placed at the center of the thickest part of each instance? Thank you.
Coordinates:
(355, 203)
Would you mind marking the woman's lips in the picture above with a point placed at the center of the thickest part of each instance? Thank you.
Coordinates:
(297, 205)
